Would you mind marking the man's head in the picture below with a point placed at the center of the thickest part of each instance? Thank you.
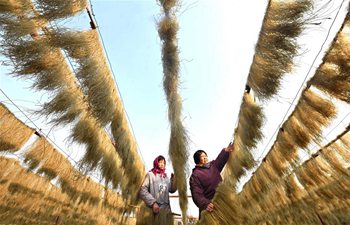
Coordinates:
(200, 157)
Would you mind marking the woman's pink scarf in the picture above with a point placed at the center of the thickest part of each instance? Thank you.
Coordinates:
(156, 168)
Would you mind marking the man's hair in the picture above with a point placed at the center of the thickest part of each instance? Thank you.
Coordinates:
(197, 155)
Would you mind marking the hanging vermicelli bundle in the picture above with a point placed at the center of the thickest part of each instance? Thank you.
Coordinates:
(276, 46)
(293, 189)
(99, 149)
(278, 161)
(167, 30)
(334, 159)
(297, 132)
(251, 115)
(38, 61)
(274, 53)
(43, 156)
(56, 9)
(96, 80)
(293, 135)
(93, 71)
(246, 137)
(287, 143)
(320, 178)
(38, 152)
(320, 105)
(333, 74)
(30, 198)
(84, 96)
(51, 163)
(68, 104)
(17, 27)
(13, 132)
(12, 6)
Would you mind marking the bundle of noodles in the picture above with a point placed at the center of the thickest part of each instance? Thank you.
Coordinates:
(13, 6)
(246, 137)
(333, 74)
(274, 53)
(277, 161)
(80, 188)
(99, 150)
(320, 170)
(229, 210)
(7, 173)
(36, 60)
(93, 71)
(342, 150)
(167, 30)
(31, 198)
(18, 27)
(145, 217)
(293, 189)
(55, 9)
(312, 176)
(111, 200)
(96, 79)
(297, 132)
(251, 115)
(272, 202)
(335, 153)
(85, 186)
(334, 159)
(46, 64)
(311, 114)
(126, 147)
(276, 198)
(319, 180)
(276, 46)
(37, 152)
(22, 182)
(13, 132)
(51, 163)
(323, 199)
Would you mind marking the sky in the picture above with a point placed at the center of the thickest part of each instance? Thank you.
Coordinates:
(216, 40)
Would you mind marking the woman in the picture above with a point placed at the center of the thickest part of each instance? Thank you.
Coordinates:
(206, 177)
(155, 194)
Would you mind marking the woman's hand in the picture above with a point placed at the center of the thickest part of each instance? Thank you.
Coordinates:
(172, 177)
(210, 207)
(155, 208)
(229, 148)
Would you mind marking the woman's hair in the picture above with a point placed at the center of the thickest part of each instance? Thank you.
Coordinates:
(161, 158)
(197, 155)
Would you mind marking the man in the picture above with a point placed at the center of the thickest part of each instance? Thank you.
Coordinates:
(206, 177)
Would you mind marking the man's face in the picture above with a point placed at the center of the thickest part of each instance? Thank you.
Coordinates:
(161, 164)
(203, 158)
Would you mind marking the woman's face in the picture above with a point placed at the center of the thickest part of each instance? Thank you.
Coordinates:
(203, 158)
(161, 164)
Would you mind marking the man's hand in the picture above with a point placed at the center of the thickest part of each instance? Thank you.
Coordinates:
(210, 207)
(229, 148)
(155, 208)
